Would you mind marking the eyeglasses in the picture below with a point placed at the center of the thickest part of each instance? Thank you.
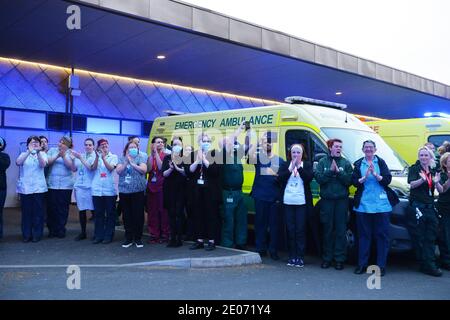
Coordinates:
(369, 141)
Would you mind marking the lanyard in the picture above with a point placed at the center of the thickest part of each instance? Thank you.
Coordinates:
(154, 166)
(429, 180)
(295, 171)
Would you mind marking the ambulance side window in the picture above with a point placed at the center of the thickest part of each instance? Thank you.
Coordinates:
(297, 136)
(315, 149)
(319, 149)
(438, 140)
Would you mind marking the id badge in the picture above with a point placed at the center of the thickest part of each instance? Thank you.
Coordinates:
(127, 179)
(153, 179)
(103, 175)
(429, 192)
(201, 181)
(229, 200)
(81, 172)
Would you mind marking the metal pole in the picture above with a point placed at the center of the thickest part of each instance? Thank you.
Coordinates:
(71, 107)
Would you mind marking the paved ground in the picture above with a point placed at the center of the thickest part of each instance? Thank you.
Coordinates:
(116, 280)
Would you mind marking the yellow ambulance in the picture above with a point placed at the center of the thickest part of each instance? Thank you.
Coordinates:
(405, 136)
(300, 120)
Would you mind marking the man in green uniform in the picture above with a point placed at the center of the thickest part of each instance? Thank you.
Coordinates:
(234, 226)
(334, 174)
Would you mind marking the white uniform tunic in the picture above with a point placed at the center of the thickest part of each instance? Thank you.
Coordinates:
(103, 182)
(83, 183)
(31, 175)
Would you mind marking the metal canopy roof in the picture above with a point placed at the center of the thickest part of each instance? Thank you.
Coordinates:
(208, 50)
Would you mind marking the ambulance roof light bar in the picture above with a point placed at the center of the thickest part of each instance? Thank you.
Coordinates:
(299, 99)
(436, 115)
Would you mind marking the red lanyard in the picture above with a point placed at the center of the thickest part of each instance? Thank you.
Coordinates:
(154, 166)
(429, 179)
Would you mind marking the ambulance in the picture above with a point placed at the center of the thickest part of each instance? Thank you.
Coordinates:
(300, 120)
(405, 136)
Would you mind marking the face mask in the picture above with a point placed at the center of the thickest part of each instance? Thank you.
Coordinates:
(176, 149)
(206, 146)
(133, 152)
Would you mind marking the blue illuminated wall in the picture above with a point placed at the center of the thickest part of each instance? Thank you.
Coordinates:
(41, 87)
(113, 107)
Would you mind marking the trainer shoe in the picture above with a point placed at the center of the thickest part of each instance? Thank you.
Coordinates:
(127, 244)
(299, 263)
(291, 262)
(139, 244)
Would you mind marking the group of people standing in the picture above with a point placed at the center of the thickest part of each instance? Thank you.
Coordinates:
(45, 184)
(184, 182)
(166, 184)
(287, 184)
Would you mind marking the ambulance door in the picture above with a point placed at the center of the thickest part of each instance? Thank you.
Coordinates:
(315, 149)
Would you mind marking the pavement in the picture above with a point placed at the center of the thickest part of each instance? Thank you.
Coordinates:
(109, 272)
(64, 252)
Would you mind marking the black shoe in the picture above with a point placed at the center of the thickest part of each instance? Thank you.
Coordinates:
(51, 235)
(26, 240)
(36, 239)
(360, 270)
(139, 244)
(339, 266)
(97, 241)
(107, 241)
(432, 272)
(127, 244)
(81, 236)
(61, 236)
(197, 245)
(262, 253)
(382, 272)
(241, 247)
(210, 247)
(325, 264)
(274, 256)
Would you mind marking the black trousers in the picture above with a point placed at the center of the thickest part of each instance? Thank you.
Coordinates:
(206, 215)
(33, 211)
(58, 211)
(176, 217)
(2, 204)
(132, 205)
(105, 217)
(424, 231)
(295, 225)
